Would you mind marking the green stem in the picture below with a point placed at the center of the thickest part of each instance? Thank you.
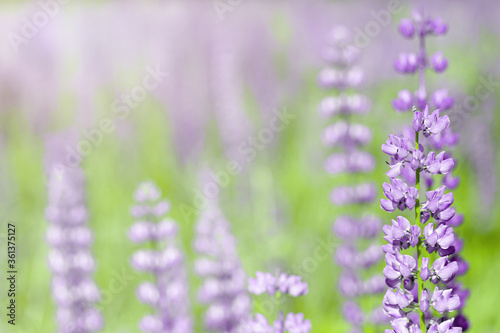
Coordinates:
(421, 74)
(419, 245)
(278, 297)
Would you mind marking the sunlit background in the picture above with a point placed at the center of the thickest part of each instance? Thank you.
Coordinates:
(219, 73)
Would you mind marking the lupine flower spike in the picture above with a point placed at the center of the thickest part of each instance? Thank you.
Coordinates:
(224, 287)
(70, 259)
(410, 302)
(354, 257)
(278, 286)
(168, 293)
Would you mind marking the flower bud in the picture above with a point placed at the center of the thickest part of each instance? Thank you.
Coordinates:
(407, 28)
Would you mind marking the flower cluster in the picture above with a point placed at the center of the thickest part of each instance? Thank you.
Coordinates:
(224, 287)
(412, 63)
(70, 259)
(408, 301)
(342, 76)
(278, 286)
(168, 294)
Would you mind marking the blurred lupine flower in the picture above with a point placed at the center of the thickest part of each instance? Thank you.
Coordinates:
(283, 283)
(224, 286)
(345, 195)
(407, 28)
(168, 295)
(70, 259)
(351, 285)
(352, 313)
(404, 102)
(338, 105)
(445, 138)
(405, 278)
(441, 99)
(481, 150)
(295, 323)
(348, 227)
(357, 255)
(278, 286)
(342, 134)
(438, 62)
(349, 257)
(339, 79)
(356, 161)
(407, 63)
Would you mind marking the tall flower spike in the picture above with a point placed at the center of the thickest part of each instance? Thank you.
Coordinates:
(224, 287)
(409, 276)
(168, 294)
(342, 76)
(278, 286)
(70, 259)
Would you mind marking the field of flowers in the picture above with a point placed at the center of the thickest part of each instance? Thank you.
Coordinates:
(218, 166)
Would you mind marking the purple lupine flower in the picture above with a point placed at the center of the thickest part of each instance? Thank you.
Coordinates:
(295, 323)
(280, 285)
(435, 217)
(430, 123)
(352, 313)
(438, 205)
(259, 324)
(437, 164)
(441, 99)
(443, 270)
(407, 63)
(350, 137)
(70, 259)
(438, 62)
(399, 267)
(445, 327)
(399, 196)
(404, 102)
(403, 325)
(402, 233)
(224, 286)
(440, 240)
(391, 305)
(262, 283)
(168, 295)
(444, 300)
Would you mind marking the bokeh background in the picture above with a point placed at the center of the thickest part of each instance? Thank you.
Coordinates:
(227, 74)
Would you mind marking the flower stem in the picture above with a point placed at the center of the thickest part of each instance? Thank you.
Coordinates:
(422, 89)
(419, 245)
(280, 316)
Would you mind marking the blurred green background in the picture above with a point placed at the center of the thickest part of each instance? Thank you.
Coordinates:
(279, 205)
